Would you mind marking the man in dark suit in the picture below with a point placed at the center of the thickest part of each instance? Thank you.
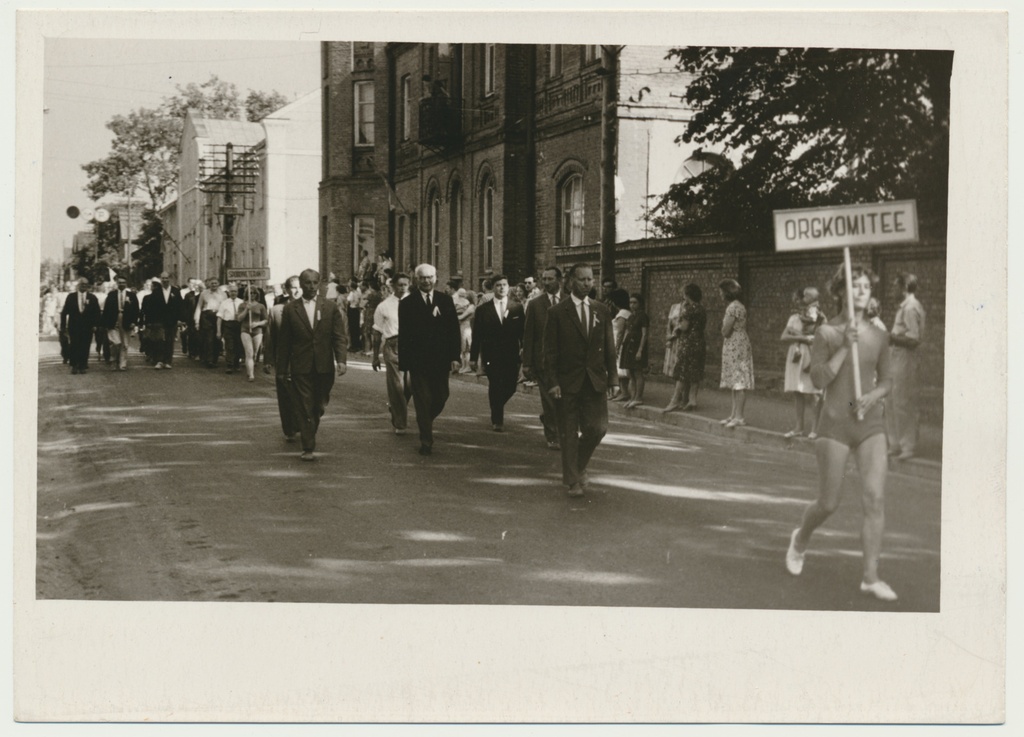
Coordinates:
(498, 335)
(120, 313)
(429, 346)
(78, 319)
(533, 349)
(285, 405)
(579, 366)
(311, 349)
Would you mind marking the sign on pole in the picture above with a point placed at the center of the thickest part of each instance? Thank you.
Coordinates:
(253, 274)
(845, 226)
(875, 224)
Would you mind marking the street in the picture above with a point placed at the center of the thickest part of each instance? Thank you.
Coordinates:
(178, 486)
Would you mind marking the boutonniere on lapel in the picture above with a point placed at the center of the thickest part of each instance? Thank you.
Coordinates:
(318, 315)
(437, 312)
(597, 321)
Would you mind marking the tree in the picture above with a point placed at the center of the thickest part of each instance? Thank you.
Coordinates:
(811, 127)
(259, 105)
(144, 151)
(94, 262)
(147, 259)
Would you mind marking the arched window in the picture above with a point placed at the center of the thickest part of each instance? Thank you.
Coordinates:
(433, 227)
(455, 228)
(570, 205)
(487, 223)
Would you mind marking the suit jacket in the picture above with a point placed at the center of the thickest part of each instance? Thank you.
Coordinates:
(72, 319)
(304, 349)
(570, 356)
(500, 341)
(158, 311)
(533, 334)
(271, 337)
(129, 313)
(428, 339)
(188, 308)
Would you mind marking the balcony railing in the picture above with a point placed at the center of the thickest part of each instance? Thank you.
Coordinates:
(439, 121)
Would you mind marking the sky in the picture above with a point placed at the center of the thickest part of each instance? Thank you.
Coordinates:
(88, 81)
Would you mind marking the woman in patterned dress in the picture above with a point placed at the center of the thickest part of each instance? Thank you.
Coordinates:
(799, 334)
(737, 359)
(691, 350)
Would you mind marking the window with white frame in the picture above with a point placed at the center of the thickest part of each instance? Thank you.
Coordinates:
(363, 98)
(554, 60)
(488, 69)
(406, 108)
(362, 240)
(570, 199)
(455, 229)
(591, 53)
(487, 223)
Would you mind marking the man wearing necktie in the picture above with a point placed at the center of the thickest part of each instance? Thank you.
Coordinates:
(498, 337)
(120, 312)
(579, 368)
(429, 348)
(229, 330)
(311, 348)
(78, 319)
(533, 349)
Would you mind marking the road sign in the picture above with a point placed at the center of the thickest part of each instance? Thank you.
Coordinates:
(254, 274)
(874, 224)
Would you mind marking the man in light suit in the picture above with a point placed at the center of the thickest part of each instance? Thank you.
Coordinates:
(533, 349)
(312, 348)
(78, 319)
(498, 336)
(429, 346)
(579, 366)
(120, 313)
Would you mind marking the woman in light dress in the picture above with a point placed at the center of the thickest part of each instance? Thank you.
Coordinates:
(737, 358)
(799, 334)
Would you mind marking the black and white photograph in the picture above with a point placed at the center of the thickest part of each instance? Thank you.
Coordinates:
(435, 334)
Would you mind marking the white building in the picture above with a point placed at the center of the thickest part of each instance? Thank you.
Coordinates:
(276, 224)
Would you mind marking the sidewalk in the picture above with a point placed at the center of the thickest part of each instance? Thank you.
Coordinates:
(768, 414)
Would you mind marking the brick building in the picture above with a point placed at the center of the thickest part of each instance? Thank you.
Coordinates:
(481, 158)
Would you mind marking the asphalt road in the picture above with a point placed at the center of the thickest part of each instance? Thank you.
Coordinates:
(178, 485)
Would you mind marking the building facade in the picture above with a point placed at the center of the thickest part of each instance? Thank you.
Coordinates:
(480, 158)
(274, 203)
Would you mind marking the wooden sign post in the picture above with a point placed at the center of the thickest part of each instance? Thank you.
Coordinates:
(845, 226)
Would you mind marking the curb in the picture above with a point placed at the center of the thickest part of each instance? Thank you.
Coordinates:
(924, 469)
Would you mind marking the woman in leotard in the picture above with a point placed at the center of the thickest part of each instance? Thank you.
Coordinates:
(841, 432)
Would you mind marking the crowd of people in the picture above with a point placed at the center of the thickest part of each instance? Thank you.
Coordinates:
(580, 350)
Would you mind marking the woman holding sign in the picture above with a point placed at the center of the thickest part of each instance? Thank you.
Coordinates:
(850, 424)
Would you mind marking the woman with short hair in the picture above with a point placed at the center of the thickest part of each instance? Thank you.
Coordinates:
(737, 357)
(850, 425)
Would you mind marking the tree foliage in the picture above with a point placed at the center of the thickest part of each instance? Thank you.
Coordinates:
(810, 127)
(147, 260)
(144, 151)
(94, 262)
(259, 105)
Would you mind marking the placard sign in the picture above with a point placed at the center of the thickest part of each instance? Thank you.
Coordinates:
(875, 224)
(254, 274)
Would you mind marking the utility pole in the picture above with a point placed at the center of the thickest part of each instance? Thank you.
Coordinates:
(609, 137)
(228, 210)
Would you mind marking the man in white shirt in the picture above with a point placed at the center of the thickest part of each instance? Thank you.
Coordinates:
(285, 405)
(229, 329)
(533, 349)
(385, 333)
(205, 318)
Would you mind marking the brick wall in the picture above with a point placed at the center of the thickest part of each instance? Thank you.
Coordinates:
(660, 269)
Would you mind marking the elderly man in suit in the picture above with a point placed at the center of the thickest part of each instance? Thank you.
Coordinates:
(312, 349)
(579, 366)
(533, 349)
(429, 347)
(120, 313)
(78, 320)
(498, 337)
